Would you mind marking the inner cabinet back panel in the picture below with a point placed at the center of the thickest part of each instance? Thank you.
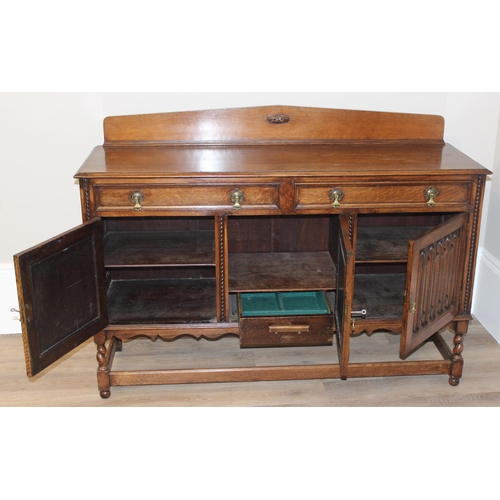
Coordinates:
(158, 223)
(381, 295)
(161, 301)
(399, 220)
(278, 234)
(279, 254)
(383, 239)
(159, 242)
(159, 248)
(160, 270)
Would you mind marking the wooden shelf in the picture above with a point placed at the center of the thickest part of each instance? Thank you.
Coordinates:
(159, 248)
(161, 301)
(382, 295)
(259, 272)
(385, 244)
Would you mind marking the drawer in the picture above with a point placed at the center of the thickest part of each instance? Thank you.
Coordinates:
(146, 198)
(288, 328)
(277, 331)
(378, 195)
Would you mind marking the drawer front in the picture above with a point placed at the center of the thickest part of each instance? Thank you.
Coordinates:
(286, 331)
(146, 198)
(379, 195)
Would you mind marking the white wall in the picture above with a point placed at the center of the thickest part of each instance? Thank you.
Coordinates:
(487, 294)
(45, 137)
(473, 126)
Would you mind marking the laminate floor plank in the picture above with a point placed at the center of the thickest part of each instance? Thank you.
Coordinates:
(71, 382)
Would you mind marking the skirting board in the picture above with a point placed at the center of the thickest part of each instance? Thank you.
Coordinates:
(486, 299)
(484, 306)
(9, 322)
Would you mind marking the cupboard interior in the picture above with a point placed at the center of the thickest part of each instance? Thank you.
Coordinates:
(281, 254)
(161, 270)
(381, 259)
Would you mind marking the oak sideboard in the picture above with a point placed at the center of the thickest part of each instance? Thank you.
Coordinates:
(285, 226)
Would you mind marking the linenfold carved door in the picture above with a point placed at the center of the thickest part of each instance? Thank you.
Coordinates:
(434, 280)
(62, 294)
(344, 293)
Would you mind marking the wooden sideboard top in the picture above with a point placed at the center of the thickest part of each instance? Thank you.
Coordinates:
(275, 141)
(279, 161)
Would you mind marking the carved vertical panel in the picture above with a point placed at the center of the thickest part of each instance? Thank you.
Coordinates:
(438, 293)
(434, 282)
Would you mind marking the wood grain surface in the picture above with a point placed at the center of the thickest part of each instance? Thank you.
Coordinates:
(72, 381)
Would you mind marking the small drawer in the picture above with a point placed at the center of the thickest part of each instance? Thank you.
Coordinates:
(146, 198)
(279, 328)
(378, 195)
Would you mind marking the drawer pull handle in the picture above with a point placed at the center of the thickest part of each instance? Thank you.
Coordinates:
(430, 194)
(236, 196)
(288, 328)
(336, 195)
(137, 198)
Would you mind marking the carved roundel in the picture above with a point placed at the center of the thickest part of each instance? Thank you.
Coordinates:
(278, 118)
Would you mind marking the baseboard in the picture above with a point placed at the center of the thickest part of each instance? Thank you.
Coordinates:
(9, 322)
(486, 300)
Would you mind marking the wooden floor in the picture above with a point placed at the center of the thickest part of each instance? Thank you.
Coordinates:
(72, 381)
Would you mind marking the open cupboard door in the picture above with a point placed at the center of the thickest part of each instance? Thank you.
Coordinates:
(62, 294)
(434, 279)
(344, 293)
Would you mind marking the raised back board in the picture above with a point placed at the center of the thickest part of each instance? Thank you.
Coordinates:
(271, 125)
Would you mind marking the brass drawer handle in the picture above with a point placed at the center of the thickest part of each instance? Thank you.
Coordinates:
(236, 196)
(336, 194)
(289, 329)
(430, 193)
(137, 198)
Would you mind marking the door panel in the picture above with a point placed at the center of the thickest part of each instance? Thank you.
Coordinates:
(344, 292)
(436, 266)
(62, 294)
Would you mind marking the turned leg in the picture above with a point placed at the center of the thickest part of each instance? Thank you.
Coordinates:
(457, 361)
(103, 383)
